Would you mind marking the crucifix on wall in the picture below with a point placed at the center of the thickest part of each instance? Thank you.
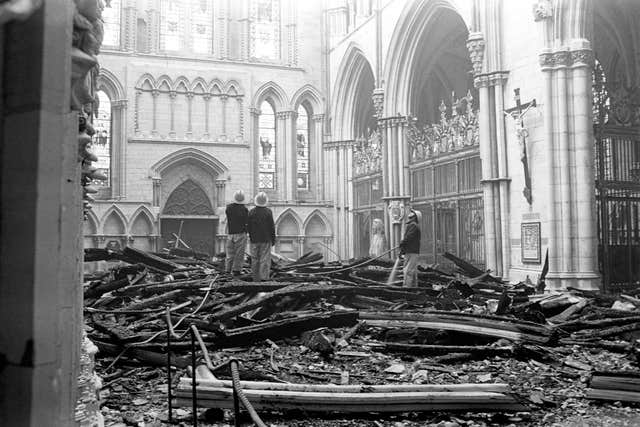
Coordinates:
(517, 113)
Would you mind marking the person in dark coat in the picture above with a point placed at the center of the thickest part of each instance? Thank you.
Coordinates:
(237, 218)
(410, 248)
(262, 234)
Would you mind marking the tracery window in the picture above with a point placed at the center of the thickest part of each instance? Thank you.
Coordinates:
(267, 149)
(202, 25)
(102, 138)
(265, 29)
(302, 148)
(172, 20)
(111, 20)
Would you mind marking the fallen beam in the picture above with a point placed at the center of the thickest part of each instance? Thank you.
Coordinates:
(285, 328)
(428, 350)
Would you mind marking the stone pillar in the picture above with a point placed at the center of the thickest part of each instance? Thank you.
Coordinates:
(585, 204)
(41, 223)
(207, 102)
(317, 162)
(254, 147)
(220, 193)
(285, 134)
(172, 120)
(154, 95)
(129, 26)
(119, 150)
(189, 110)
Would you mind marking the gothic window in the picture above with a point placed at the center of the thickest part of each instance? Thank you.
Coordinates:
(202, 25)
(265, 29)
(267, 149)
(111, 19)
(302, 148)
(102, 138)
(172, 19)
(188, 199)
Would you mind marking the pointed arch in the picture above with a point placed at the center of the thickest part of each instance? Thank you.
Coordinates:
(216, 87)
(165, 81)
(273, 93)
(310, 95)
(119, 221)
(210, 163)
(406, 47)
(182, 84)
(354, 80)
(147, 79)
(288, 223)
(90, 225)
(143, 213)
(318, 215)
(109, 83)
(199, 85)
(188, 198)
(233, 88)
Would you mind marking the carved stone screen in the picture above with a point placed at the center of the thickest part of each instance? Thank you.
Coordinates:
(188, 199)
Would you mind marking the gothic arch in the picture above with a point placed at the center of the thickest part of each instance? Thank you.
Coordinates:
(109, 83)
(354, 73)
(90, 225)
(143, 212)
(317, 214)
(210, 163)
(273, 93)
(308, 94)
(114, 211)
(182, 85)
(233, 85)
(216, 87)
(165, 80)
(418, 20)
(146, 78)
(289, 216)
(199, 83)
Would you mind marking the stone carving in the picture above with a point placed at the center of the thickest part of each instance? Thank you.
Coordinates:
(396, 211)
(367, 154)
(475, 45)
(377, 242)
(542, 9)
(452, 133)
(584, 57)
(378, 101)
(624, 105)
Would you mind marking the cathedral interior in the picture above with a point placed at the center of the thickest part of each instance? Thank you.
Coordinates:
(506, 132)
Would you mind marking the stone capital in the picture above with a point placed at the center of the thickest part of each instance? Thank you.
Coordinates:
(582, 58)
(119, 104)
(378, 101)
(173, 94)
(283, 115)
(254, 111)
(318, 117)
(476, 45)
(542, 10)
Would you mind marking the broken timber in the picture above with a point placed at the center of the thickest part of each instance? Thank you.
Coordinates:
(491, 326)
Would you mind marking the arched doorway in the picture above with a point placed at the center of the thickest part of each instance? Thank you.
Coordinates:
(188, 219)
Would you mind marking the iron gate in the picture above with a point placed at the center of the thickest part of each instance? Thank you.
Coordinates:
(616, 115)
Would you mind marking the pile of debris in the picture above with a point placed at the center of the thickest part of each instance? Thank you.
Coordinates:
(344, 316)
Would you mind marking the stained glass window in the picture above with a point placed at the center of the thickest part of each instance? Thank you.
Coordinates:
(302, 148)
(202, 25)
(265, 29)
(172, 19)
(111, 19)
(267, 149)
(102, 138)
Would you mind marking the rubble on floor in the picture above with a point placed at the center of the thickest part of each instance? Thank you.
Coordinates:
(558, 355)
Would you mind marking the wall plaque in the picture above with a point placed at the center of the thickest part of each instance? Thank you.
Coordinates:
(530, 237)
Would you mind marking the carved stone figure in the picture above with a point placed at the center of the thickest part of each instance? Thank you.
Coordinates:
(378, 242)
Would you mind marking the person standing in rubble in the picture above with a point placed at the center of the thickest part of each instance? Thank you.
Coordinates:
(410, 248)
(262, 234)
(237, 218)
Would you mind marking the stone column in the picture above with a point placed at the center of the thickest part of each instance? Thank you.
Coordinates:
(189, 110)
(130, 27)
(154, 95)
(207, 102)
(223, 100)
(119, 148)
(585, 204)
(502, 177)
(172, 121)
(317, 162)
(283, 171)
(220, 193)
(254, 150)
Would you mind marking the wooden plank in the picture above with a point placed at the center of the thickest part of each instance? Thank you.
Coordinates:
(428, 350)
(204, 383)
(488, 406)
(615, 395)
(471, 329)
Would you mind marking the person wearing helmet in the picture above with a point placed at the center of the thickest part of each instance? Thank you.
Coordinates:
(262, 233)
(237, 216)
(410, 248)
